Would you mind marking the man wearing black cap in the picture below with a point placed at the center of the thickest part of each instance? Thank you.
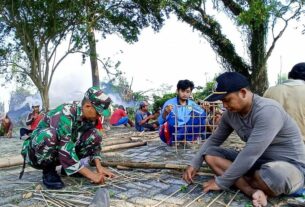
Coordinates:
(290, 94)
(273, 159)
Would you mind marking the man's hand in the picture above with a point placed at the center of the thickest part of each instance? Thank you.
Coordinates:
(169, 108)
(9, 134)
(102, 170)
(98, 178)
(188, 174)
(210, 185)
(206, 106)
(105, 172)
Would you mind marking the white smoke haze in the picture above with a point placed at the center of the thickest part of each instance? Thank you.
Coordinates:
(30, 101)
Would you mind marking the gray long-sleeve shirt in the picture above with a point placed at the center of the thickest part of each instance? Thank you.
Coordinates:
(269, 132)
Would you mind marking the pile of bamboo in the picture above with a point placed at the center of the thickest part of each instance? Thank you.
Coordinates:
(108, 145)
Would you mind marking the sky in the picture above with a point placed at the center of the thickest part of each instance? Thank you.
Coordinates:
(176, 52)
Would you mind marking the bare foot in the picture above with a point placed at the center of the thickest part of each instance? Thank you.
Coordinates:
(259, 199)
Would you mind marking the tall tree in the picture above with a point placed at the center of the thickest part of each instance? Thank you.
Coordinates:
(30, 34)
(125, 18)
(261, 23)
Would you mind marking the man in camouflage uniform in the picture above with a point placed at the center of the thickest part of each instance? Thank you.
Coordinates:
(65, 136)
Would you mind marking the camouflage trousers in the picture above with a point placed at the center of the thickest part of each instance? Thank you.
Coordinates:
(43, 152)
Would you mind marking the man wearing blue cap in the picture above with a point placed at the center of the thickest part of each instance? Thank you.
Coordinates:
(273, 160)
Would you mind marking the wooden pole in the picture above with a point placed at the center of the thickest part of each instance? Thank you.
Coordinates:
(149, 165)
(113, 142)
(11, 161)
(123, 146)
(18, 160)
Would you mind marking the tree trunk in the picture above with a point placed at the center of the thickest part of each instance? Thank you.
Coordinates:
(93, 58)
(44, 93)
(257, 48)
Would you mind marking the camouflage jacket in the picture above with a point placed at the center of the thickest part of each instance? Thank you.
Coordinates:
(66, 119)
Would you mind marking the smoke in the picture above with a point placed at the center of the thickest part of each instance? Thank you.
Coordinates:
(20, 106)
(116, 97)
(30, 101)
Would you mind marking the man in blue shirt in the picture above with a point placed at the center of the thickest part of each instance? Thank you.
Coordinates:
(182, 116)
(142, 119)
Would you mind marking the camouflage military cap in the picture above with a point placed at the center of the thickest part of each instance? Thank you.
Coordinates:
(98, 98)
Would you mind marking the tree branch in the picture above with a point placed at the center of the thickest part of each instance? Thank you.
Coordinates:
(209, 27)
(275, 39)
(235, 8)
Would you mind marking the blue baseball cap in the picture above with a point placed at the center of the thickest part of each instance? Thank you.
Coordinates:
(226, 83)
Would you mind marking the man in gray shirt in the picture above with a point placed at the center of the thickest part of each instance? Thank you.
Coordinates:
(273, 159)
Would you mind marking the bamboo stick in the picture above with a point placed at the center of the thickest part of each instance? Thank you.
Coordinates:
(190, 191)
(41, 193)
(18, 160)
(57, 191)
(195, 200)
(232, 198)
(55, 204)
(67, 202)
(123, 146)
(215, 199)
(166, 198)
(114, 142)
(11, 161)
(50, 200)
(147, 165)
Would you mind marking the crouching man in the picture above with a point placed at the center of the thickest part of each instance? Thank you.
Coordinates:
(273, 160)
(64, 137)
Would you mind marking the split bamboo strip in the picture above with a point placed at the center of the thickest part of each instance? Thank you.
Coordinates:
(232, 198)
(195, 200)
(221, 203)
(76, 201)
(59, 198)
(50, 200)
(215, 199)
(43, 198)
(59, 202)
(190, 191)
(57, 191)
(55, 204)
(166, 198)
(70, 195)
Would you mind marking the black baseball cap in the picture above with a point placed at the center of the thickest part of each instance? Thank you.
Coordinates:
(226, 83)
